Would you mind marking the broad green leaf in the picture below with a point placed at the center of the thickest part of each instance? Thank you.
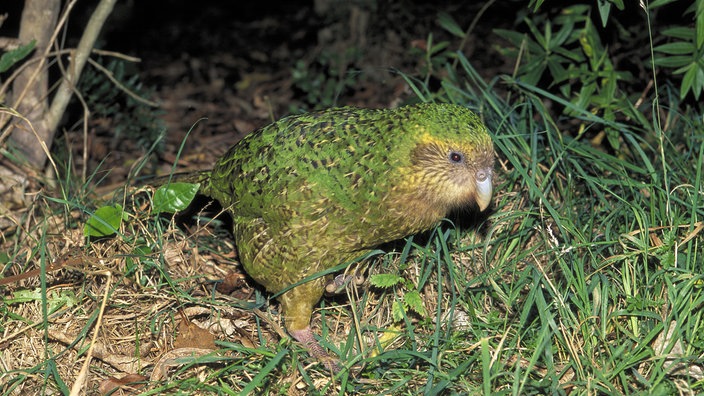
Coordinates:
(397, 311)
(683, 33)
(673, 61)
(576, 57)
(104, 222)
(414, 302)
(174, 197)
(385, 280)
(676, 48)
(56, 298)
(577, 12)
(11, 57)
(23, 296)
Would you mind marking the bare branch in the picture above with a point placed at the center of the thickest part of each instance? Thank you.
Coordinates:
(65, 90)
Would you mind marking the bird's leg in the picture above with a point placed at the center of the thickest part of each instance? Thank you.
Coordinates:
(297, 305)
(307, 338)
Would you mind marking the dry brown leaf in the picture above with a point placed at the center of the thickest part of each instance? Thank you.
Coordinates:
(128, 384)
(192, 336)
(231, 282)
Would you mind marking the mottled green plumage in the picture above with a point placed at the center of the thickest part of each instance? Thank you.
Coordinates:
(309, 192)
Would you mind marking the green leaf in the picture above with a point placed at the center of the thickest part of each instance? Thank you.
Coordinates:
(682, 33)
(542, 40)
(676, 48)
(535, 4)
(397, 311)
(10, 58)
(435, 49)
(131, 261)
(104, 222)
(604, 10)
(660, 3)
(613, 137)
(514, 38)
(414, 302)
(56, 298)
(699, 16)
(23, 296)
(448, 23)
(385, 280)
(174, 197)
(673, 61)
(558, 72)
(560, 38)
(690, 81)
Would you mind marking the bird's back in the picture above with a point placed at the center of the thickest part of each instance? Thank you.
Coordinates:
(332, 183)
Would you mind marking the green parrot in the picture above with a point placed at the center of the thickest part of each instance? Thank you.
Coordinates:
(312, 191)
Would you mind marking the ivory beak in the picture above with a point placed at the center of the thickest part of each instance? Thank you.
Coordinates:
(484, 189)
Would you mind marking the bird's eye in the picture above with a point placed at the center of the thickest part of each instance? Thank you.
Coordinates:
(456, 157)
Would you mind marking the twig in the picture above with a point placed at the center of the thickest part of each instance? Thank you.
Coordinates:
(83, 374)
(20, 68)
(65, 90)
(42, 144)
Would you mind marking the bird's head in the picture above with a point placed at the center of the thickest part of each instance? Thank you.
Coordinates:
(454, 173)
(451, 157)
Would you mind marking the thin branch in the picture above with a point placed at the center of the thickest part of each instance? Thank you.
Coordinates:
(79, 384)
(20, 68)
(65, 90)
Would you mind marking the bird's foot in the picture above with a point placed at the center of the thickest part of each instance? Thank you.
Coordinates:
(337, 284)
(306, 337)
